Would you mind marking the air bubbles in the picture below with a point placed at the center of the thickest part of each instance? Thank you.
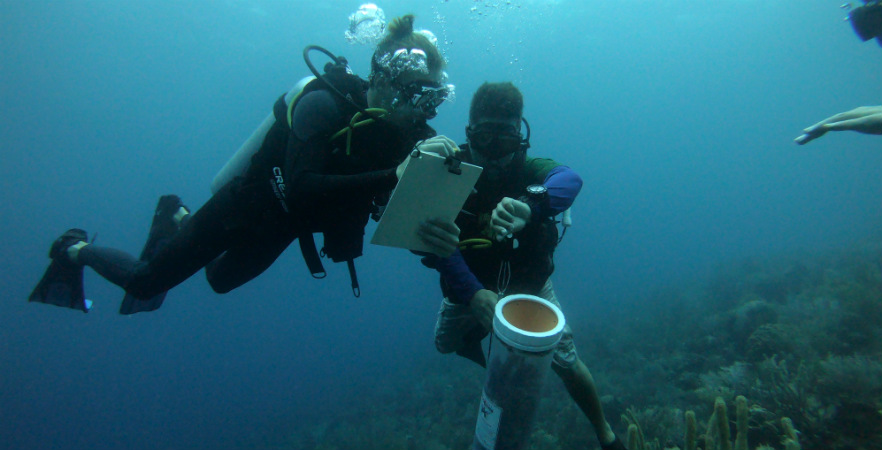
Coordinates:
(367, 25)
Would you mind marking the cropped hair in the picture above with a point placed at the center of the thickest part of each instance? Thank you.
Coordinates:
(497, 100)
(400, 34)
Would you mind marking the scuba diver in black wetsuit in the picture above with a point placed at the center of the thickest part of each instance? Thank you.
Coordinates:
(331, 154)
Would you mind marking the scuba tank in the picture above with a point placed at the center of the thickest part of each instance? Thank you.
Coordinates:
(340, 244)
(239, 163)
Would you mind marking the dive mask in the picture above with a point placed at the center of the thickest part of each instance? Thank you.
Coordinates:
(423, 96)
(497, 140)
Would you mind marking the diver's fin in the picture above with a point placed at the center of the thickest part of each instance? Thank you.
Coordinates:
(162, 229)
(62, 283)
(472, 348)
(474, 352)
(132, 304)
(617, 444)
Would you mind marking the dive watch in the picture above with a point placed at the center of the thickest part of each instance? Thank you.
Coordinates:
(537, 198)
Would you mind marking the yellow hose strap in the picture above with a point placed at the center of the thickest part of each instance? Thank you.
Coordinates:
(356, 123)
(476, 243)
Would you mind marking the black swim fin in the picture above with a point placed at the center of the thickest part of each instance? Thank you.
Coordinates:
(62, 283)
(472, 349)
(162, 229)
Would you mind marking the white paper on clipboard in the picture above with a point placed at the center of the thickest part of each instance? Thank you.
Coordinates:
(427, 189)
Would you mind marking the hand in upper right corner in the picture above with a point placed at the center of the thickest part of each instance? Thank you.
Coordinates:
(440, 235)
(864, 119)
(438, 145)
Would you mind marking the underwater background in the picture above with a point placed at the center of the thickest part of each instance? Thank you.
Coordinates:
(679, 115)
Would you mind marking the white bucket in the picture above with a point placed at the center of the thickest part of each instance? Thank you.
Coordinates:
(528, 322)
(526, 329)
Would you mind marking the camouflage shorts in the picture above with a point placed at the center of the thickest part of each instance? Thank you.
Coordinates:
(456, 321)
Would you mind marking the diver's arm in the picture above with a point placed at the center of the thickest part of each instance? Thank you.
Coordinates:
(511, 215)
(462, 283)
(309, 175)
(864, 119)
(443, 238)
(307, 159)
(563, 186)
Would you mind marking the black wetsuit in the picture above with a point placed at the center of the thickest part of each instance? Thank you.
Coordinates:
(248, 223)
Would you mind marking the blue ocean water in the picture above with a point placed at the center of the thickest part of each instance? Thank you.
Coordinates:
(679, 115)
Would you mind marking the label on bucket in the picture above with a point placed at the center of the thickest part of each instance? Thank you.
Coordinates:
(488, 422)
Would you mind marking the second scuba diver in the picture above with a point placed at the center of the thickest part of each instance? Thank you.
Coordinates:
(330, 156)
(515, 199)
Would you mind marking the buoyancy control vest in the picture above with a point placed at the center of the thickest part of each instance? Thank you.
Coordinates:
(355, 149)
(531, 262)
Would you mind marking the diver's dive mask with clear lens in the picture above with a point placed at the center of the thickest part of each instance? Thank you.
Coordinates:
(422, 96)
(497, 140)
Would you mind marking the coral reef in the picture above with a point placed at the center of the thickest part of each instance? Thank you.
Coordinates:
(717, 432)
(769, 340)
(797, 334)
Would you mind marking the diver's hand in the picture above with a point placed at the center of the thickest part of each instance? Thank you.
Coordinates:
(865, 119)
(509, 217)
(399, 171)
(439, 145)
(442, 236)
(483, 306)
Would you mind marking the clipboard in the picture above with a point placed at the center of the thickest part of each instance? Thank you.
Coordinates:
(429, 187)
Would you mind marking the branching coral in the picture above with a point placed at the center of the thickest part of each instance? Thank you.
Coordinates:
(717, 431)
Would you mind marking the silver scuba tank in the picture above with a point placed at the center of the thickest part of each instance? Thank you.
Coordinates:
(239, 163)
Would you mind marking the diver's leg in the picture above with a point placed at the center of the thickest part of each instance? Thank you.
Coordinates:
(578, 380)
(580, 385)
(114, 265)
(455, 324)
(264, 231)
(242, 263)
(170, 213)
(168, 217)
(202, 238)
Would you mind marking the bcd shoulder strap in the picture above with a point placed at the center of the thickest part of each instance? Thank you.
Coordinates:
(353, 88)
